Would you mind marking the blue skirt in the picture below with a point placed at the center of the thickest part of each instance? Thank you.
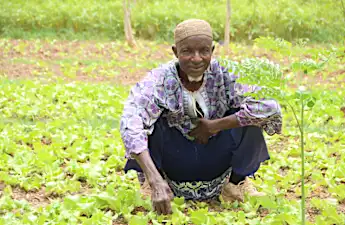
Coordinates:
(197, 171)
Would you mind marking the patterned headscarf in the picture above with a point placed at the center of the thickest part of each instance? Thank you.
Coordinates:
(190, 28)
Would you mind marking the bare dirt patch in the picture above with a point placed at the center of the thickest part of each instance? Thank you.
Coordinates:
(80, 60)
(341, 207)
(18, 70)
(2, 186)
(38, 198)
(35, 198)
(113, 62)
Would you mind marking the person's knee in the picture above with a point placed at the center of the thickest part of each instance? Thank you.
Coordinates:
(249, 134)
(254, 130)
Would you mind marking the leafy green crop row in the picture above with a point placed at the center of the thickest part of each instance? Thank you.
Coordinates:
(62, 140)
(318, 20)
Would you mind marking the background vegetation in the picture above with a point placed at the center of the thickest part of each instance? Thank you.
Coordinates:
(317, 20)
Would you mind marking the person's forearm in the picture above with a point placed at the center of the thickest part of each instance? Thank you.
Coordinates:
(151, 172)
(225, 123)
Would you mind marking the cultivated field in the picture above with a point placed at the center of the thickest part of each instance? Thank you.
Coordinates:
(61, 155)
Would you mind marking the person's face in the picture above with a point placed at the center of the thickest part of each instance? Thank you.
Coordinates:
(194, 54)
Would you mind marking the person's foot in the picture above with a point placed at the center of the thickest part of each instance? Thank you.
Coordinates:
(232, 192)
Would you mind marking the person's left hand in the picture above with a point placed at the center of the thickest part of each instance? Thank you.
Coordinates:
(204, 130)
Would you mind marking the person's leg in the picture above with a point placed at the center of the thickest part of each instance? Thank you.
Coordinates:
(243, 149)
(251, 151)
(196, 171)
(236, 178)
(192, 170)
(188, 161)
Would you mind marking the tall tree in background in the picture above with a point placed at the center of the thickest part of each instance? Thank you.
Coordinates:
(227, 28)
(127, 23)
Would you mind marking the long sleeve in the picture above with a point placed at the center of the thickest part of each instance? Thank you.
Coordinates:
(264, 113)
(141, 111)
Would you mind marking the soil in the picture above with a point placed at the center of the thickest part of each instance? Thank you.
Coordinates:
(113, 62)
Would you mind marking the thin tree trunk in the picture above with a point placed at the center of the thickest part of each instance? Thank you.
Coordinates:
(343, 6)
(227, 28)
(127, 24)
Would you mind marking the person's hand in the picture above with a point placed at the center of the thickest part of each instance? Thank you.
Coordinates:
(161, 197)
(204, 130)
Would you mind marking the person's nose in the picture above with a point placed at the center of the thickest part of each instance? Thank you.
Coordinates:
(196, 58)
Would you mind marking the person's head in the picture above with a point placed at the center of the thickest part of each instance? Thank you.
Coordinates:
(193, 47)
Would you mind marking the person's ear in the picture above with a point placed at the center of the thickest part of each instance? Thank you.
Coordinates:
(174, 49)
(213, 47)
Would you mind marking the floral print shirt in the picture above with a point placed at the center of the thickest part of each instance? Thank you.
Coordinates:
(161, 93)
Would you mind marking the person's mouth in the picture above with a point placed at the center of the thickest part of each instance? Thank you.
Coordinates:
(197, 68)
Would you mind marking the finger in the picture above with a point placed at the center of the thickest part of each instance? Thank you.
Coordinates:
(163, 207)
(157, 208)
(199, 140)
(154, 207)
(194, 132)
(168, 207)
(195, 121)
(204, 140)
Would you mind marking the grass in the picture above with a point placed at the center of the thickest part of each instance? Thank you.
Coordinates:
(61, 155)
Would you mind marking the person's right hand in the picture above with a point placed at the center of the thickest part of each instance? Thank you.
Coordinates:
(161, 197)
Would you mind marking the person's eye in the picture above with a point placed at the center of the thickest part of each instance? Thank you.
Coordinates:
(205, 51)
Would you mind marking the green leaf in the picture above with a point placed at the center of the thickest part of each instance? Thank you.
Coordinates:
(179, 201)
(199, 216)
(138, 220)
